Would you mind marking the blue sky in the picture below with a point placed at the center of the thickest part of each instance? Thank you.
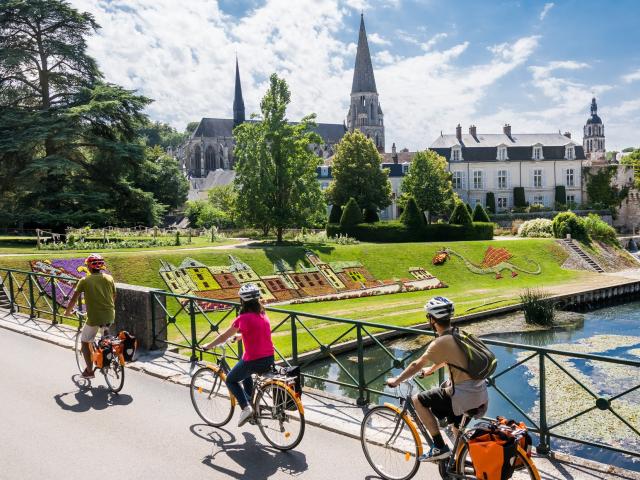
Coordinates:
(437, 63)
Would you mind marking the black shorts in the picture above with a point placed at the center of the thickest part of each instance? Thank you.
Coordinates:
(439, 403)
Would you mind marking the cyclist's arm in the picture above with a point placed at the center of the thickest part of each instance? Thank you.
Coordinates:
(223, 337)
(432, 369)
(72, 302)
(409, 372)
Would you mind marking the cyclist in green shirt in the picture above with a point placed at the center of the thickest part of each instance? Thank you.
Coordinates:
(99, 296)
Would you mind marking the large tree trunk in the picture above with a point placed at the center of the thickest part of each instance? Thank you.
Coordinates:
(280, 231)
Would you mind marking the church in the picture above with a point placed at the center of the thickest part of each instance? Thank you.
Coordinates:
(207, 157)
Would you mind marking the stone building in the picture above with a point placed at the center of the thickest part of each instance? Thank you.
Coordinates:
(593, 137)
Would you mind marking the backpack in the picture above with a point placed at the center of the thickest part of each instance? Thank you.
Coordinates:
(130, 345)
(481, 362)
(493, 452)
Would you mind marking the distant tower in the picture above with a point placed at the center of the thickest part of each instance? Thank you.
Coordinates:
(365, 113)
(593, 137)
(238, 103)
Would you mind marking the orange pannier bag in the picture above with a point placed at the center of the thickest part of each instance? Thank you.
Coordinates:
(493, 452)
(521, 432)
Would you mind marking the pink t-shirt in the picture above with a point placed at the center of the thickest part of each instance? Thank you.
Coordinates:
(256, 335)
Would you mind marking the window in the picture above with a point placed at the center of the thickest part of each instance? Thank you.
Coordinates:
(571, 201)
(324, 171)
(570, 178)
(502, 203)
(405, 168)
(502, 153)
(538, 199)
(477, 180)
(456, 179)
(537, 178)
(324, 185)
(456, 154)
(537, 153)
(502, 179)
(570, 153)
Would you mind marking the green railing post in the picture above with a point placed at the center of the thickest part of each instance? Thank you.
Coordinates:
(294, 339)
(12, 298)
(194, 338)
(544, 446)
(54, 302)
(440, 376)
(32, 306)
(361, 380)
(153, 320)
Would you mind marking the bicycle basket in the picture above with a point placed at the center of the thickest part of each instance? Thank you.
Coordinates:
(493, 452)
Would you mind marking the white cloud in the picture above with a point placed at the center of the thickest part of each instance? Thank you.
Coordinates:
(433, 40)
(631, 77)
(377, 39)
(547, 7)
(384, 57)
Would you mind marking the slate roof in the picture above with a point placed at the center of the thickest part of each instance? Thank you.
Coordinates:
(363, 79)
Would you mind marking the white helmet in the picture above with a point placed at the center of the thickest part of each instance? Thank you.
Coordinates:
(439, 307)
(249, 291)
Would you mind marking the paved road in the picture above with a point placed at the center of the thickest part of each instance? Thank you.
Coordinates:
(53, 428)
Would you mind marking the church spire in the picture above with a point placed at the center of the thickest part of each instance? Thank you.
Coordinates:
(238, 103)
(594, 106)
(363, 79)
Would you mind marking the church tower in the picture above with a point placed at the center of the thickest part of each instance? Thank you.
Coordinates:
(238, 103)
(593, 137)
(365, 113)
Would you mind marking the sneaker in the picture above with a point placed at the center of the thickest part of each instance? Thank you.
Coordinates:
(245, 415)
(435, 454)
(88, 374)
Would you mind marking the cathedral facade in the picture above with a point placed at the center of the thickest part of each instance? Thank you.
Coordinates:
(210, 147)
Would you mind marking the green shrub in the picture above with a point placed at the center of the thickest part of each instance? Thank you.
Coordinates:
(569, 223)
(598, 229)
(469, 209)
(351, 215)
(460, 215)
(538, 308)
(371, 215)
(536, 228)
(411, 216)
(491, 202)
(561, 194)
(519, 198)
(335, 214)
(397, 232)
(536, 207)
(479, 214)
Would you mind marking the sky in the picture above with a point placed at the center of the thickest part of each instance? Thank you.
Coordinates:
(437, 63)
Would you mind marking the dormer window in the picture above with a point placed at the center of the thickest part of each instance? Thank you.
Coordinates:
(537, 152)
(324, 171)
(405, 168)
(502, 153)
(456, 153)
(569, 152)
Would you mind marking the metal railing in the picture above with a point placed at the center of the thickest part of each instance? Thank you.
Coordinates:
(303, 339)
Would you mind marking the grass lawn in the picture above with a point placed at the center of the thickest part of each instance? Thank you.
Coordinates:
(471, 292)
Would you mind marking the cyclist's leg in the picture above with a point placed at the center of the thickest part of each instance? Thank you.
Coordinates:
(236, 375)
(259, 366)
(430, 406)
(87, 335)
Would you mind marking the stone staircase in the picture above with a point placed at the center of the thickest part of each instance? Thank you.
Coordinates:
(583, 255)
(4, 299)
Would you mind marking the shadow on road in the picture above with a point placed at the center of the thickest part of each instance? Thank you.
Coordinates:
(87, 398)
(256, 461)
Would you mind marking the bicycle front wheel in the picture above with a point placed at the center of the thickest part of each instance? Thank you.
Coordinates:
(525, 468)
(390, 444)
(279, 417)
(78, 351)
(207, 399)
(114, 375)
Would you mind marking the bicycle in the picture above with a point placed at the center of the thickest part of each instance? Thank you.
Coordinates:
(113, 370)
(278, 411)
(391, 442)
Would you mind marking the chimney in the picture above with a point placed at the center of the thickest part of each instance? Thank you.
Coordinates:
(472, 131)
(459, 133)
(567, 134)
(507, 130)
(394, 154)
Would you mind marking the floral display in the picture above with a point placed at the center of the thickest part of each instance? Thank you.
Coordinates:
(495, 261)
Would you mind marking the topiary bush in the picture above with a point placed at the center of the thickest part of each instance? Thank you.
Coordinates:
(460, 215)
(371, 215)
(519, 199)
(469, 209)
(411, 216)
(491, 202)
(351, 215)
(569, 223)
(479, 214)
(598, 229)
(536, 228)
(335, 214)
(561, 195)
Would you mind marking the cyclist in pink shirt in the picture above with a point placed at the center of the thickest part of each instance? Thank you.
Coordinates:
(255, 329)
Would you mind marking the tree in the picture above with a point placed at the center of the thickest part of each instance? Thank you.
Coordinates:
(276, 169)
(335, 214)
(161, 175)
(161, 134)
(429, 183)
(69, 148)
(633, 159)
(412, 217)
(480, 215)
(370, 215)
(351, 215)
(600, 190)
(491, 202)
(356, 172)
(202, 214)
(460, 215)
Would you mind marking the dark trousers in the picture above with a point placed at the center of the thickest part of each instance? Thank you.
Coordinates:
(241, 372)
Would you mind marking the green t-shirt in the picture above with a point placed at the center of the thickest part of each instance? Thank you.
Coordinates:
(99, 290)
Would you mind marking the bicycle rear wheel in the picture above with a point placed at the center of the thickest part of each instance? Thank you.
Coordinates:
(389, 444)
(525, 467)
(114, 375)
(78, 351)
(279, 416)
(207, 399)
